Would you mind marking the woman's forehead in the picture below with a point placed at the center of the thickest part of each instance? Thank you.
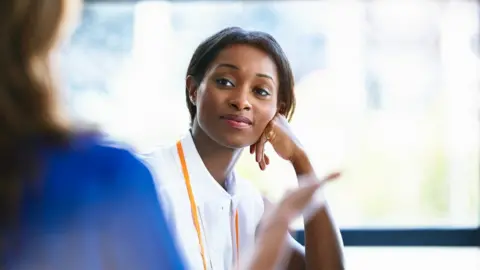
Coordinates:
(246, 58)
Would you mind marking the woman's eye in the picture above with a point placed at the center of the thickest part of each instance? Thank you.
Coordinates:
(262, 92)
(224, 82)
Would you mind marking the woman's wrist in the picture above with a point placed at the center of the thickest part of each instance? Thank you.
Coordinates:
(301, 163)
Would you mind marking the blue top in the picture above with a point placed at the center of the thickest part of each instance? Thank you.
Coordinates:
(96, 208)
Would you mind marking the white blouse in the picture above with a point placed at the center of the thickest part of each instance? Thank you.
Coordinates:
(216, 208)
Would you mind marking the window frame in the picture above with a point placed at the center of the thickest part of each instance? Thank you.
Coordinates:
(407, 237)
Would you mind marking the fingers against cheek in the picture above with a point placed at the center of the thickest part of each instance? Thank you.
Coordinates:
(259, 149)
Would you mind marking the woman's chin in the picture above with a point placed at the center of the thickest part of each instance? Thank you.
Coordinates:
(235, 142)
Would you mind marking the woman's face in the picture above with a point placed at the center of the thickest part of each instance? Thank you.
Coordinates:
(237, 97)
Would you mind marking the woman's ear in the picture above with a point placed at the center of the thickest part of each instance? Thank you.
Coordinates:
(192, 88)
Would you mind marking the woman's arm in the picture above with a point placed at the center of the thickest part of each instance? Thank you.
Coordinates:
(323, 243)
(322, 239)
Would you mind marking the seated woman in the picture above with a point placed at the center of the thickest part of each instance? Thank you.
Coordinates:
(239, 92)
(67, 200)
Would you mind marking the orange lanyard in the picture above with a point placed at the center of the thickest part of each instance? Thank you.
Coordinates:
(193, 207)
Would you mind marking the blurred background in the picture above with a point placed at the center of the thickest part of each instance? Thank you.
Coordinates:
(388, 91)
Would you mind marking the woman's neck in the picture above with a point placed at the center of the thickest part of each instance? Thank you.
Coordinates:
(218, 159)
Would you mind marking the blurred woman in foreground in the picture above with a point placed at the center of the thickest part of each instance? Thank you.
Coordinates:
(67, 201)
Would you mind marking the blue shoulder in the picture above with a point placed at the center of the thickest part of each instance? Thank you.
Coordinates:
(93, 164)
